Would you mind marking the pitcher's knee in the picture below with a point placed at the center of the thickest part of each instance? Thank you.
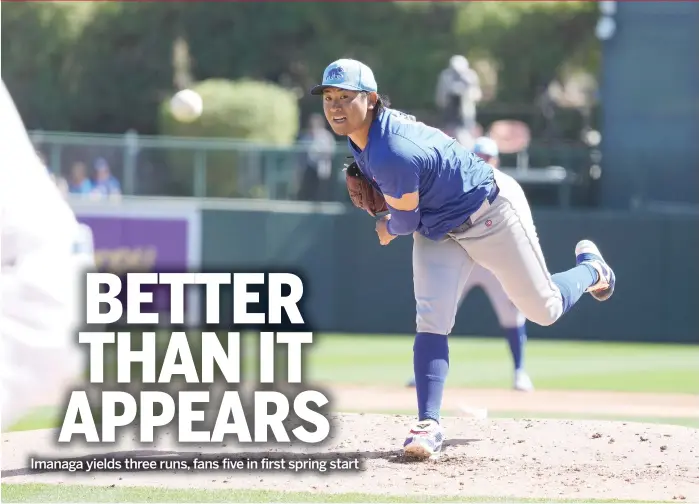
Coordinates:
(544, 319)
(543, 311)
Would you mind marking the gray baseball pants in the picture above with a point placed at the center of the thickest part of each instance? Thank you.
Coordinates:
(501, 237)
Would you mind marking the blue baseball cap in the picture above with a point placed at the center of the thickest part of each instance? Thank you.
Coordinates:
(486, 146)
(347, 74)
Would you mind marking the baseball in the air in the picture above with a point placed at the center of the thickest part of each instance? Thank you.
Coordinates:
(186, 105)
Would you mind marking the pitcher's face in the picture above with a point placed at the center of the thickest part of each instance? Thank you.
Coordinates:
(347, 111)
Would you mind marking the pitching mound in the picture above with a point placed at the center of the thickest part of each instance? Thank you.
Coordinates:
(508, 458)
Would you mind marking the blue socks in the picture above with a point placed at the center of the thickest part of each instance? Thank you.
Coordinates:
(431, 351)
(516, 337)
(572, 283)
(431, 366)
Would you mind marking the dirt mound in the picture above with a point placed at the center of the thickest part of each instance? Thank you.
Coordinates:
(490, 457)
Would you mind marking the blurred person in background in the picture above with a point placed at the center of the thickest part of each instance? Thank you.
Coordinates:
(511, 320)
(105, 183)
(79, 182)
(40, 277)
(317, 181)
(458, 91)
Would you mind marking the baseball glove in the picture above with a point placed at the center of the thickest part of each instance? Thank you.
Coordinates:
(362, 192)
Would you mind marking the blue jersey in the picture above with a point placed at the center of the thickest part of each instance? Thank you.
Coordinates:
(404, 156)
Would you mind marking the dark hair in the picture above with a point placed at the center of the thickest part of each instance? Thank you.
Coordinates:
(383, 102)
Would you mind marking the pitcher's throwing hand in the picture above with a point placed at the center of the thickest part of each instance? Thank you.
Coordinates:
(382, 230)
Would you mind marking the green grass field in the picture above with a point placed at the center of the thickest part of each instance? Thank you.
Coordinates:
(83, 493)
(485, 363)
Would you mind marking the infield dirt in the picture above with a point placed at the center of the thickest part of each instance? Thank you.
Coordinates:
(482, 457)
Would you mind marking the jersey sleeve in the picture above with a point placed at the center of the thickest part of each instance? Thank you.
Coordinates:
(398, 169)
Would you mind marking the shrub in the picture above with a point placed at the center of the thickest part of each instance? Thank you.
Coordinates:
(253, 111)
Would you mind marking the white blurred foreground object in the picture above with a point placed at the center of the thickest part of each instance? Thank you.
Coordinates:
(186, 105)
(474, 412)
(39, 277)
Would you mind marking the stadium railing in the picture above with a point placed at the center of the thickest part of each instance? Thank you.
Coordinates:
(212, 167)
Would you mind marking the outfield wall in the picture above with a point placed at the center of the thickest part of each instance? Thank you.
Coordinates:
(355, 285)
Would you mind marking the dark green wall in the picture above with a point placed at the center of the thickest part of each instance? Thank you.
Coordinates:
(349, 287)
(263, 241)
(650, 105)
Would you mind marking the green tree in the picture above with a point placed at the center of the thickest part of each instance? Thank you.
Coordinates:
(530, 42)
(291, 43)
(36, 46)
(106, 66)
(124, 66)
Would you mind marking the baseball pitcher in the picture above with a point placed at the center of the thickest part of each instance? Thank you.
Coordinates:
(511, 320)
(460, 212)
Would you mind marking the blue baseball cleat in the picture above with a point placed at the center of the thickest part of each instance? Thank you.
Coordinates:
(424, 441)
(587, 252)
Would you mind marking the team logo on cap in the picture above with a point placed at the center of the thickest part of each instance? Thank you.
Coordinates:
(335, 74)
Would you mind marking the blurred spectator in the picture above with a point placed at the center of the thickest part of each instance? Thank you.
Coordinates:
(316, 182)
(458, 91)
(79, 182)
(105, 183)
(547, 105)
